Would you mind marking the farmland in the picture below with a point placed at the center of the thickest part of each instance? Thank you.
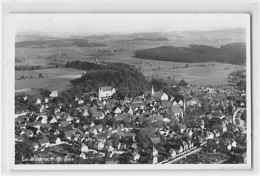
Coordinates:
(196, 73)
(54, 79)
(59, 78)
(116, 49)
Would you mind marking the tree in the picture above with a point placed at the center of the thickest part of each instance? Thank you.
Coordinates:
(183, 83)
(41, 75)
(186, 65)
(143, 139)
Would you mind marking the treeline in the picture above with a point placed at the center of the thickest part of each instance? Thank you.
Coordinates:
(151, 39)
(83, 65)
(58, 43)
(239, 73)
(234, 53)
(33, 67)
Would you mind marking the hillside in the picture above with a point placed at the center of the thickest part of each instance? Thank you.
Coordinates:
(234, 53)
(127, 80)
(151, 39)
(57, 43)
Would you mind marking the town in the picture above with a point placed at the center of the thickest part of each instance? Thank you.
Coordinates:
(203, 125)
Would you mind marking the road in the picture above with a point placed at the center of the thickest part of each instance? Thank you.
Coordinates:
(236, 116)
(182, 155)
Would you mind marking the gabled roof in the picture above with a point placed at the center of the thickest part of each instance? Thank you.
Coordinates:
(19, 119)
(155, 140)
(68, 133)
(44, 141)
(177, 109)
(119, 117)
(64, 123)
(99, 127)
(54, 93)
(165, 103)
(158, 94)
(126, 99)
(107, 88)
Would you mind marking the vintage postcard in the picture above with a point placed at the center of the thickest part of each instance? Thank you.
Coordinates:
(132, 90)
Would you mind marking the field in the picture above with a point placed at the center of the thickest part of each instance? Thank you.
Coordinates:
(54, 79)
(207, 73)
(59, 55)
(194, 73)
(59, 78)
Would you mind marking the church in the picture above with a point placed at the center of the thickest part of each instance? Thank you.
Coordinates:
(105, 92)
(159, 95)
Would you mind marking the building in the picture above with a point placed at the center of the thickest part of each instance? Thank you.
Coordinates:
(105, 92)
(177, 111)
(54, 94)
(159, 95)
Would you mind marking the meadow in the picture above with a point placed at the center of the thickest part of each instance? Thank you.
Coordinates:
(206, 73)
(54, 79)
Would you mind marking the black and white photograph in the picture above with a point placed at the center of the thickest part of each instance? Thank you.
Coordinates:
(132, 89)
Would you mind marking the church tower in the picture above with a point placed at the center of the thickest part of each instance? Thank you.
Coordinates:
(152, 92)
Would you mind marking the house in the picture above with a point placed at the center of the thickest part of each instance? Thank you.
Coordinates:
(85, 113)
(58, 140)
(52, 120)
(160, 96)
(177, 111)
(193, 102)
(84, 148)
(105, 92)
(136, 156)
(180, 103)
(38, 101)
(155, 140)
(127, 100)
(44, 142)
(100, 145)
(173, 153)
(98, 115)
(175, 103)
(44, 120)
(53, 94)
(137, 101)
(68, 135)
(210, 90)
(63, 123)
(99, 128)
(46, 100)
(19, 119)
(25, 98)
(117, 110)
(80, 101)
(29, 133)
(165, 103)
(35, 146)
(82, 155)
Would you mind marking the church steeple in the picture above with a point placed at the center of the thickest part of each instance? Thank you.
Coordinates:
(152, 92)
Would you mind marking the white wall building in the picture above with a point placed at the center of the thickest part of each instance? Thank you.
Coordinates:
(105, 92)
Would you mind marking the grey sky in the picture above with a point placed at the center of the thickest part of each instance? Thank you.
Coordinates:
(82, 24)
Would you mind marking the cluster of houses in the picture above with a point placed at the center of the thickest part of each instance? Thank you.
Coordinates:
(87, 131)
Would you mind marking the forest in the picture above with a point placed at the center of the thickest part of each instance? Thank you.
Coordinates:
(233, 53)
(126, 79)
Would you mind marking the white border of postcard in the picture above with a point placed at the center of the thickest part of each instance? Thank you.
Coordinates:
(8, 86)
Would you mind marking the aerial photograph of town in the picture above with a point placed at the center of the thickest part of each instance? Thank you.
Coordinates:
(131, 89)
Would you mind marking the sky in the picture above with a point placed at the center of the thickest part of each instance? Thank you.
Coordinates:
(111, 23)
